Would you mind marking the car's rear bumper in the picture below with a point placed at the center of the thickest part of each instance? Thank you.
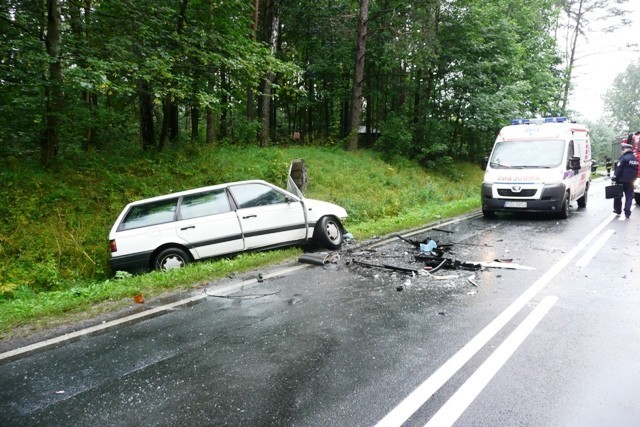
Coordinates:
(133, 263)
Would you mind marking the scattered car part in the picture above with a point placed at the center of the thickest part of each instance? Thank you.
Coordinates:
(447, 263)
(387, 267)
(320, 258)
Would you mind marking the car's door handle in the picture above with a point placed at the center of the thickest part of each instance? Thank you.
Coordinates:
(186, 228)
(249, 216)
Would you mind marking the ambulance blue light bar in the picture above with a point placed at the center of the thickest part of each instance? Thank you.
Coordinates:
(539, 120)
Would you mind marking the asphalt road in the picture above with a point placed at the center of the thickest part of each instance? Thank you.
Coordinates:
(553, 343)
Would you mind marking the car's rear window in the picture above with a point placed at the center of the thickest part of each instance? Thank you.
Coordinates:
(203, 204)
(153, 213)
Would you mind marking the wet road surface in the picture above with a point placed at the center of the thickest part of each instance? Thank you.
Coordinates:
(353, 345)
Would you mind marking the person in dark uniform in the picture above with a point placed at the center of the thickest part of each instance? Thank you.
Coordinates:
(625, 173)
(607, 164)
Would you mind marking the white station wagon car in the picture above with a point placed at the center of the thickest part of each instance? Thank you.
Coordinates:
(173, 230)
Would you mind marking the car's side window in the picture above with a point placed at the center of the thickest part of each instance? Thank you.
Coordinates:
(251, 195)
(153, 213)
(203, 204)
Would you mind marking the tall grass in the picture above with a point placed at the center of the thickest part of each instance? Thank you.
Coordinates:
(55, 223)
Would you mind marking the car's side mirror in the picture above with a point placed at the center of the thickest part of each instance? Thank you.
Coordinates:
(574, 163)
(484, 163)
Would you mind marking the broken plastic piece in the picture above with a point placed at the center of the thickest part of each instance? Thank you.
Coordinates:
(428, 247)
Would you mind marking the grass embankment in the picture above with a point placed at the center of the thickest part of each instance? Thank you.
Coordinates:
(53, 236)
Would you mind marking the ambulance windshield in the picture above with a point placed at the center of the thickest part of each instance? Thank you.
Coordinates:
(528, 154)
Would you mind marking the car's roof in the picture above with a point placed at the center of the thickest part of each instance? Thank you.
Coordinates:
(199, 190)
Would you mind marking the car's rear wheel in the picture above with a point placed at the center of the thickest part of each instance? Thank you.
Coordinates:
(328, 233)
(171, 258)
(636, 196)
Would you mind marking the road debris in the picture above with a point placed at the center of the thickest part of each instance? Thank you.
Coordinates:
(412, 271)
(471, 280)
(447, 263)
(505, 265)
(320, 258)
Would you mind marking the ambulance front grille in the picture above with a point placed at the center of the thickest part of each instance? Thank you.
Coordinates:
(507, 192)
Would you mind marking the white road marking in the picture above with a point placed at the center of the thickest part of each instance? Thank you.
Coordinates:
(431, 385)
(224, 290)
(582, 262)
(467, 393)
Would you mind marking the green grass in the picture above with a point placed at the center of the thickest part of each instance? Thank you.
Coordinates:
(53, 237)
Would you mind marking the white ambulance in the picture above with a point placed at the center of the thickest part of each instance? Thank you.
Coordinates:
(538, 165)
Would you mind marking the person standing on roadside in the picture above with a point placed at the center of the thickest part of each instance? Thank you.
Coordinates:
(625, 173)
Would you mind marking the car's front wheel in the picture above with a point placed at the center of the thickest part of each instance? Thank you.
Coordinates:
(328, 233)
(171, 258)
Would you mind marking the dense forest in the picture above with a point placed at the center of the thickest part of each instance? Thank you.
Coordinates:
(105, 102)
(428, 80)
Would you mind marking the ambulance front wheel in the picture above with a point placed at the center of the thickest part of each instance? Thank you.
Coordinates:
(488, 214)
(564, 210)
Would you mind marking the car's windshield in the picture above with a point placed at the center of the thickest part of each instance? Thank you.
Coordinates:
(527, 154)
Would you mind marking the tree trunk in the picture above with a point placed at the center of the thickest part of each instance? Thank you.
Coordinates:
(53, 102)
(164, 130)
(358, 76)
(174, 111)
(147, 135)
(224, 103)
(195, 129)
(271, 25)
(80, 30)
(251, 107)
(210, 133)
(579, 15)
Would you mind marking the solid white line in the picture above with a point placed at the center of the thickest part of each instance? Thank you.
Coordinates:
(97, 328)
(582, 262)
(465, 395)
(431, 385)
(224, 290)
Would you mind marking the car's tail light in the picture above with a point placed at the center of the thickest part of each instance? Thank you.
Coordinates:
(113, 246)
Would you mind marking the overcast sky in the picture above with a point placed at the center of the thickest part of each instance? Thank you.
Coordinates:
(602, 58)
